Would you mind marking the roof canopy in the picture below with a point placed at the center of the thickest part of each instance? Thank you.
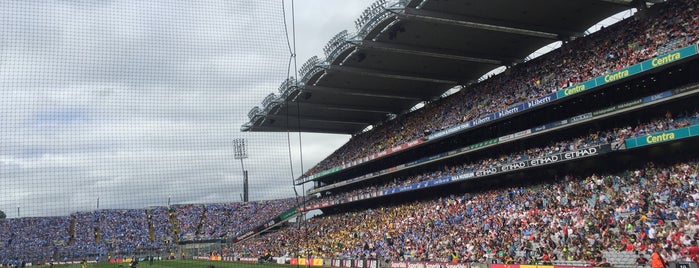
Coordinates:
(406, 52)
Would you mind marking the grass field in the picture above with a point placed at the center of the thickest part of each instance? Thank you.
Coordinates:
(175, 264)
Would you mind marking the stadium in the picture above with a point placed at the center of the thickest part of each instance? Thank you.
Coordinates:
(587, 155)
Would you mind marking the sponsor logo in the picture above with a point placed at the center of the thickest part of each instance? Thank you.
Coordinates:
(416, 265)
(270, 223)
(481, 120)
(604, 111)
(580, 153)
(464, 176)
(513, 166)
(399, 265)
(539, 128)
(650, 139)
(666, 59)
(249, 233)
(573, 90)
(616, 76)
(581, 117)
(545, 160)
(629, 104)
(522, 133)
(506, 137)
(486, 172)
(507, 112)
(658, 96)
(537, 102)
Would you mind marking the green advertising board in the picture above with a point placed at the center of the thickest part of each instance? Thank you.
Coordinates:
(669, 57)
(661, 137)
(629, 71)
(587, 85)
(619, 75)
(287, 214)
(482, 144)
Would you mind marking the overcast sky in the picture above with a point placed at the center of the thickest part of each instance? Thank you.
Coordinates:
(134, 102)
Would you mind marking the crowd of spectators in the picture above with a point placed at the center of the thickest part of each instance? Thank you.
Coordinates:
(122, 232)
(84, 236)
(125, 230)
(571, 218)
(233, 219)
(163, 232)
(27, 238)
(665, 122)
(188, 219)
(663, 28)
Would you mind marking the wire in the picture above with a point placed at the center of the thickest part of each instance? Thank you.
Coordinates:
(292, 59)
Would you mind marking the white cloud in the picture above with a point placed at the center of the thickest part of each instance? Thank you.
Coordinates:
(134, 102)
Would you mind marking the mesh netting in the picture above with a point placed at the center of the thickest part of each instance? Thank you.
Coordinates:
(131, 104)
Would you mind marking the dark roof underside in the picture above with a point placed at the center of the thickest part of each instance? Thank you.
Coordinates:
(406, 54)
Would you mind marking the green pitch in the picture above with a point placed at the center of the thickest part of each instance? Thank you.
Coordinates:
(175, 264)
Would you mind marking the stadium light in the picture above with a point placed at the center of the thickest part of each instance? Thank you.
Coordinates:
(240, 151)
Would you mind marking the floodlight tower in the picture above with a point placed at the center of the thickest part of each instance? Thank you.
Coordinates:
(240, 151)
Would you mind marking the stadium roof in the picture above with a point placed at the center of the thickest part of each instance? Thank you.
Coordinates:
(409, 51)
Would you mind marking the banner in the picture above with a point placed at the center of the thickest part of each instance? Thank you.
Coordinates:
(545, 160)
(506, 137)
(482, 144)
(658, 96)
(535, 266)
(405, 264)
(505, 266)
(539, 128)
(663, 137)
(629, 104)
(508, 111)
(483, 120)
(523, 133)
(604, 111)
(584, 86)
(618, 75)
(418, 185)
(486, 172)
(540, 101)
(580, 117)
(629, 71)
(669, 57)
(449, 131)
(463, 176)
(586, 152)
(513, 166)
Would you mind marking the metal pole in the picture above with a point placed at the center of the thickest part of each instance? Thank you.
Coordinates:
(240, 152)
(245, 181)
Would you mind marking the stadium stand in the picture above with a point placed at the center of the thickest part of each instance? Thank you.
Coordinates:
(575, 219)
(572, 219)
(674, 25)
(163, 232)
(127, 232)
(661, 123)
(584, 213)
(29, 238)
